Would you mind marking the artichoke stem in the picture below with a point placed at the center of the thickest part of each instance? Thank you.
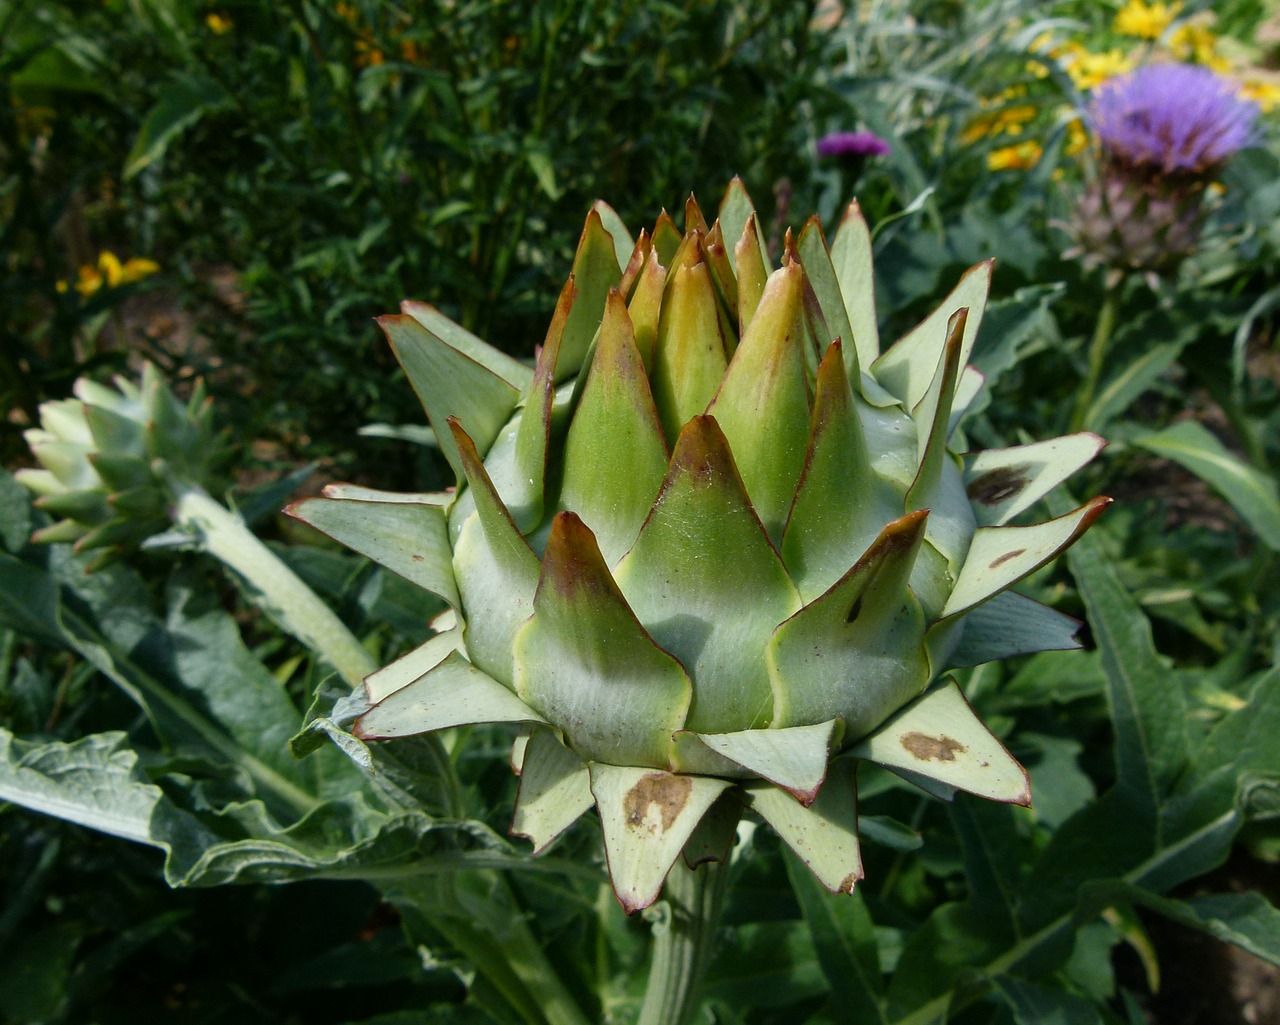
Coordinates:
(290, 602)
(683, 944)
(1097, 356)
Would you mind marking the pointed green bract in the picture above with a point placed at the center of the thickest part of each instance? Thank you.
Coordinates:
(555, 789)
(819, 269)
(1001, 556)
(707, 583)
(646, 817)
(496, 571)
(450, 383)
(645, 308)
(587, 665)
(1004, 482)
(690, 359)
(752, 262)
(412, 665)
(596, 269)
(736, 210)
(794, 758)
(453, 693)
(939, 736)
(857, 651)
(615, 415)
(824, 835)
(851, 258)
(498, 363)
(666, 238)
(409, 539)
(525, 497)
(841, 503)
(907, 368)
(1010, 624)
(623, 244)
(766, 384)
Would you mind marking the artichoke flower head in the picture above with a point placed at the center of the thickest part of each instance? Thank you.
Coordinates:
(714, 547)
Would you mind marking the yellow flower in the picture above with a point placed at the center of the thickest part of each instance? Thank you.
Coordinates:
(1089, 70)
(110, 272)
(1265, 94)
(1146, 21)
(1195, 42)
(218, 25)
(1018, 157)
(1077, 137)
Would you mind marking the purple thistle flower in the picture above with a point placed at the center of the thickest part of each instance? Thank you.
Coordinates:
(852, 144)
(1172, 118)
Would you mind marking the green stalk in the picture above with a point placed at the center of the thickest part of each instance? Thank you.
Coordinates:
(682, 944)
(1097, 355)
(288, 601)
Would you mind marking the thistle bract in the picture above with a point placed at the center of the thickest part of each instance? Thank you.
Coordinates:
(715, 546)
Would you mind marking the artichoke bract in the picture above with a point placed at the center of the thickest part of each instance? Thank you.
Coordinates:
(715, 546)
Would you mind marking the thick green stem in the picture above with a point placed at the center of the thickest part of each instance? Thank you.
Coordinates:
(682, 944)
(288, 601)
(1097, 356)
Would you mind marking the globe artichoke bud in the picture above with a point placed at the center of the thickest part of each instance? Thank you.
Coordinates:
(105, 454)
(715, 546)
(1165, 131)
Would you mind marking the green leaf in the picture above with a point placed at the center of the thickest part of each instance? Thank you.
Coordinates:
(1135, 378)
(845, 940)
(596, 270)
(1005, 482)
(736, 209)
(707, 583)
(1032, 1004)
(587, 664)
(793, 758)
(820, 271)
(183, 102)
(1252, 494)
(1010, 624)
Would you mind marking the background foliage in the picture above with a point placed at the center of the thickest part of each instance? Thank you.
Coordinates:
(267, 177)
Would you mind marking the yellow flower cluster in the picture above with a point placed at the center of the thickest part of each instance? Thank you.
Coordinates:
(1146, 21)
(218, 25)
(1265, 94)
(1020, 156)
(110, 272)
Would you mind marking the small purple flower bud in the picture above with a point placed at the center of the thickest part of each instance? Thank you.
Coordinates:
(852, 144)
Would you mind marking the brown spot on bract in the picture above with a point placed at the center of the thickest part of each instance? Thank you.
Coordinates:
(999, 485)
(663, 792)
(1006, 557)
(932, 749)
(416, 557)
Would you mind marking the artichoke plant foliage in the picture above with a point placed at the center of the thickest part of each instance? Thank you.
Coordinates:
(715, 547)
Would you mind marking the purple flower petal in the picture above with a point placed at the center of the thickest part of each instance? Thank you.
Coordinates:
(852, 144)
(1172, 117)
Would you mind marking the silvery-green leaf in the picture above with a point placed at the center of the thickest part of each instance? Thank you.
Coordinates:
(412, 665)
(1007, 625)
(793, 758)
